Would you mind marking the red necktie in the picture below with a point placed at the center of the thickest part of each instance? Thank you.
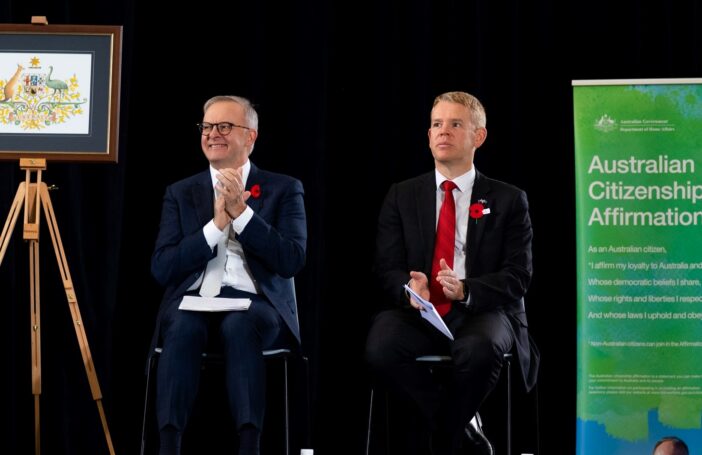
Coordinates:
(443, 246)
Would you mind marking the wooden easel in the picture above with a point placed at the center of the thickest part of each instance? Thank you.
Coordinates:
(32, 195)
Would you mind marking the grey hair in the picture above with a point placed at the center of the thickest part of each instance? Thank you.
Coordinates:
(249, 111)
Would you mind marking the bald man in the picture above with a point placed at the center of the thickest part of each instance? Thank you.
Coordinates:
(670, 445)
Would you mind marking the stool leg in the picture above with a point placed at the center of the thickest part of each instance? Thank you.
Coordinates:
(287, 410)
(370, 421)
(308, 404)
(509, 408)
(388, 432)
(146, 403)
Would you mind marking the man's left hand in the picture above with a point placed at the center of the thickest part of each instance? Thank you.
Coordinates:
(231, 187)
(450, 283)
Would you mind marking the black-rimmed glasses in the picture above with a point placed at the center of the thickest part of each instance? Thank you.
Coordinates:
(224, 128)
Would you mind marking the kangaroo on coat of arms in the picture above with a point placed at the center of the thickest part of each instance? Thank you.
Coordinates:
(12, 84)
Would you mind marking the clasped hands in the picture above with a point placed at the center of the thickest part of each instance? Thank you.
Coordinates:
(450, 284)
(231, 199)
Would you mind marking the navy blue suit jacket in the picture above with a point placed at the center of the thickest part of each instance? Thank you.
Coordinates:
(498, 262)
(274, 240)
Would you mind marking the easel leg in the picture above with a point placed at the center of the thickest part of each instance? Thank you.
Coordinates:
(75, 311)
(32, 216)
(17, 204)
(36, 336)
(12, 219)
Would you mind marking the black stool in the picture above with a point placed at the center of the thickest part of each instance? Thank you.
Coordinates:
(444, 360)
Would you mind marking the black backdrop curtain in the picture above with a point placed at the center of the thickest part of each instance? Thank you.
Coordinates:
(343, 92)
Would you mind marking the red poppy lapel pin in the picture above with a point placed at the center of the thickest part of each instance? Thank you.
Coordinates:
(478, 209)
(255, 191)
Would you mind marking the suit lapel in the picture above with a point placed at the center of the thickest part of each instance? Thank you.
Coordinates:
(476, 228)
(254, 179)
(203, 198)
(426, 213)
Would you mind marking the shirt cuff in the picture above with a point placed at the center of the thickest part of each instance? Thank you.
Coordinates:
(212, 234)
(407, 294)
(240, 222)
(466, 295)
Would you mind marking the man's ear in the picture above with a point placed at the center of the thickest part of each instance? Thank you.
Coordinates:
(480, 136)
(253, 134)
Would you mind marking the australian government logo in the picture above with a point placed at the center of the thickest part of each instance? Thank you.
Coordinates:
(35, 97)
(607, 124)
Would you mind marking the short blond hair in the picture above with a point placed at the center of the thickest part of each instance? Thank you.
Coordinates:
(466, 99)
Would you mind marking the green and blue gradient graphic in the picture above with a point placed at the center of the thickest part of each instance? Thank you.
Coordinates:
(638, 157)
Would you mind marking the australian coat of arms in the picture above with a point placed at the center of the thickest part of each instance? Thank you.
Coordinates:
(35, 97)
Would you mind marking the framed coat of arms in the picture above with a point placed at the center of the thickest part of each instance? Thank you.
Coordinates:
(59, 92)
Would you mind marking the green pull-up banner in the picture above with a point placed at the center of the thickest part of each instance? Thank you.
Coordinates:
(638, 161)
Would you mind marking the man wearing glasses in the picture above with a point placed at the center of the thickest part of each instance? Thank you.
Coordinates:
(231, 232)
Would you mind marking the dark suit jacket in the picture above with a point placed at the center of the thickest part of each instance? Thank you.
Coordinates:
(274, 241)
(498, 265)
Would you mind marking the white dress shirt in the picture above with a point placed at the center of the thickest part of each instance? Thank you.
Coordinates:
(236, 270)
(461, 195)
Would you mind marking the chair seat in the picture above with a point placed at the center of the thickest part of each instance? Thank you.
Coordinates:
(434, 359)
(266, 353)
(447, 358)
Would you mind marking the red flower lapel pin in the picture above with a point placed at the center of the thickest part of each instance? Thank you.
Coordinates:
(255, 191)
(478, 209)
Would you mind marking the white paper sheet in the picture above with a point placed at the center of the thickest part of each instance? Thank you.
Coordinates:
(430, 313)
(198, 303)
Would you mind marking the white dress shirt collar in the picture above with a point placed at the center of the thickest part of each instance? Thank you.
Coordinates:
(463, 182)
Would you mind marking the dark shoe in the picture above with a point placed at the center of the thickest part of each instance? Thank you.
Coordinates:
(475, 441)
